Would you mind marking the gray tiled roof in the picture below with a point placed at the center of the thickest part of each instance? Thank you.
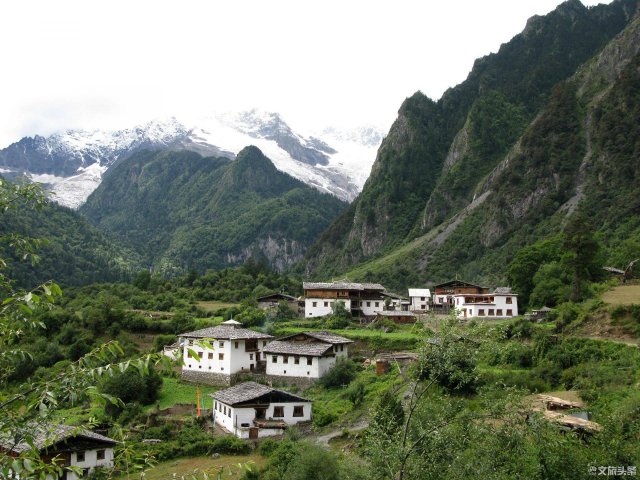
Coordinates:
(328, 337)
(297, 348)
(503, 290)
(341, 286)
(248, 391)
(225, 332)
(49, 434)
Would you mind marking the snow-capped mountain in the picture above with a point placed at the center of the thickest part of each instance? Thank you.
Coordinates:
(71, 164)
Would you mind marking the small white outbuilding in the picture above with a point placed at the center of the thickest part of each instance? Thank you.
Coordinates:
(250, 410)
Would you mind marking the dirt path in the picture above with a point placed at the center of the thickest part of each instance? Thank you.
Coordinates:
(327, 437)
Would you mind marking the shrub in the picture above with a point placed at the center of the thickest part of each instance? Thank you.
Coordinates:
(343, 372)
(230, 445)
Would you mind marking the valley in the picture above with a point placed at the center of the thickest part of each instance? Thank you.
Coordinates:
(233, 297)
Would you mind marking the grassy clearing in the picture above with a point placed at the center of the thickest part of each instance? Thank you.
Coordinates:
(213, 306)
(230, 465)
(174, 391)
(623, 295)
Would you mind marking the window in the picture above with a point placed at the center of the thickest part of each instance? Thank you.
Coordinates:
(499, 312)
(296, 360)
(199, 354)
(190, 341)
(422, 299)
(251, 356)
(210, 356)
(368, 304)
(491, 312)
(221, 344)
(481, 312)
(235, 344)
(342, 348)
(80, 456)
(377, 304)
(285, 359)
(309, 360)
(189, 355)
(509, 300)
(509, 313)
(100, 453)
(264, 344)
(278, 412)
(314, 304)
(274, 359)
(457, 301)
(326, 304)
(221, 356)
(298, 411)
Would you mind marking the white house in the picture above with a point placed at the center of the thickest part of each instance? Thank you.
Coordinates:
(213, 355)
(502, 303)
(419, 299)
(73, 446)
(250, 410)
(361, 299)
(305, 355)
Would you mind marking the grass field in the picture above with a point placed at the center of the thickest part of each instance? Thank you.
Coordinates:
(174, 392)
(213, 306)
(623, 295)
(231, 467)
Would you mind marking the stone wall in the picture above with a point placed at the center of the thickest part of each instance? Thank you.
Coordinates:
(219, 380)
(206, 378)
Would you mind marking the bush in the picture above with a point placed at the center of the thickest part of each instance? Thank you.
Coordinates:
(343, 372)
(355, 393)
(230, 445)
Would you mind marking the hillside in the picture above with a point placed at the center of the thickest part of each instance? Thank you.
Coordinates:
(500, 160)
(74, 252)
(183, 211)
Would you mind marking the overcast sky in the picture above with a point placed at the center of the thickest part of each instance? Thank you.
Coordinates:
(111, 64)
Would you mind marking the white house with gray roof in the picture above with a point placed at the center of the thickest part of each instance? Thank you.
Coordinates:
(361, 299)
(73, 446)
(305, 355)
(250, 410)
(419, 299)
(215, 355)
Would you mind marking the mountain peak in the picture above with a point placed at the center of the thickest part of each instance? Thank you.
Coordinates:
(253, 158)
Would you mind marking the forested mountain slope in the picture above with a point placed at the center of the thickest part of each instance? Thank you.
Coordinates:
(499, 160)
(183, 211)
(72, 252)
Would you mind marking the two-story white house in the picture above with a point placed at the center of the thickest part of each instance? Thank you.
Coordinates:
(70, 446)
(216, 355)
(361, 299)
(501, 303)
(250, 410)
(305, 355)
(419, 299)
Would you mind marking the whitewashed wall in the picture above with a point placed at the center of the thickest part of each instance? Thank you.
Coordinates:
(237, 416)
(290, 369)
(234, 359)
(323, 306)
(499, 309)
(91, 460)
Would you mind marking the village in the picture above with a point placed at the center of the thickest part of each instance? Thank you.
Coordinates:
(228, 354)
(259, 382)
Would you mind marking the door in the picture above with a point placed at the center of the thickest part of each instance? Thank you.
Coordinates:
(251, 367)
(253, 433)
